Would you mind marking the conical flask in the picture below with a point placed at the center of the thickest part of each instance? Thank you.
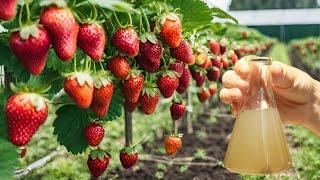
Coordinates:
(258, 144)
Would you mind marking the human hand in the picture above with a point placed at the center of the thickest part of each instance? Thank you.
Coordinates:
(297, 95)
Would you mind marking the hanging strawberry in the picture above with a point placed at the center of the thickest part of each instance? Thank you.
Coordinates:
(132, 86)
(94, 134)
(126, 41)
(184, 53)
(177, 109)
(128, 157)
(168, 82)
(98, 162)
(149, 98)
(170, 29)
(8, 9)
(184, 80)
(173, 143)
(119, 66)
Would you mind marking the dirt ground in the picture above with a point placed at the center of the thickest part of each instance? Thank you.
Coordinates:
(215, 144)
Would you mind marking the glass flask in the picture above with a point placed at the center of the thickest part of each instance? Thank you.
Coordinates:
(258, 144)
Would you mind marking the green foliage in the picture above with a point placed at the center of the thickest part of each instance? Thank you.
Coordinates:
(272, 4)
(69, 127)
(197, 14)
(8, 159)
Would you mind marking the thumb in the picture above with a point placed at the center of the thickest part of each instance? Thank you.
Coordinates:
(282, 75)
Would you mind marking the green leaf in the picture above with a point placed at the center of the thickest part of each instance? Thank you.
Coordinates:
(3, 121)
(197, 14)
(69, 127)
(217, 12)
(114, 5)
(8, 159)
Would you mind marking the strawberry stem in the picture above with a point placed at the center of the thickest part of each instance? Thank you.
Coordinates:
(95, 12)
(115, 15)
(101, 65)
(74, 63)
(20, 16)
(146, 19)
(130, 19)
(175, 127)
(94, 67)
(28, 11)
(140, 22)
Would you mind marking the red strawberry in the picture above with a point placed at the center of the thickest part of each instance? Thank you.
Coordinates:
(172, 144)
(225, 63)
(25, 113)
(207, 64)
(130, 106)
(98, 162)
(223, 45)
(184, 53)
(199, 76)
(149, 99)
(178, 67)
(203, 95)
(217, 62)
(149, 57)
(132, 87)
(233, 57)
(214, 47)
(213, 89)
(31, 51)
(119, 66)
(168, 82)
(245, 34)
(171, 30)
(94, 134)
(63, 30)
(213, 74)
(126, 41)
(177, 110)
(184, 80)
(92, 40)
(8, 9)
(79, 86)
(128, 157)
(102, 94)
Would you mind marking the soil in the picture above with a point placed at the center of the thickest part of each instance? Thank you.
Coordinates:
(214, 144)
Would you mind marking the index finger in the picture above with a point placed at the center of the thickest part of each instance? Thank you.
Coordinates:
(242, 68)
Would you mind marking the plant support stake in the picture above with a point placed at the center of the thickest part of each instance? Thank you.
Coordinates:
(128, 127)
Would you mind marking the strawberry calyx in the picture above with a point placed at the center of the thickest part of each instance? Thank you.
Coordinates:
(128, 150)
(150, 89)
(99, 154)
(58, 3)
(29, 30)
(169, 73)
(178, 99)
(81, 77)
(134, 72)
(102, 78)
(151, 37)
(175, 135)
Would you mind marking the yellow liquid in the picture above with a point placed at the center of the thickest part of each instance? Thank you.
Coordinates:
(257, 144)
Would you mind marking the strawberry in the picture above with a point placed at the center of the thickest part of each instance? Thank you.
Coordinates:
(98, 162)
(173, 144)
(92, 40)
(149, 57)
(177, 66)
(213, 89)
(32, 50)
(94, 134)
(126, 40)
(203, 94)
(130, 106)
(102, 93)
(214, 47)
(63, 30)
(132, 87)
(201, 56)
(149, 99)
(119, 66)
(168, 82)
(184, 53)
(223, 45)
(184, 80)
(199, 76)
(233, 57)
(217, 62)
(171, 29)
(213, 74)
(207, 64)
(79, 86)
(8, 9)
(245, 34)
(225, 63)
(177, 110)
(128, 157)
(25, 112)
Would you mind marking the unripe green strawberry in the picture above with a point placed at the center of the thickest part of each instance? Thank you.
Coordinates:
(92, 40)
(172, 144)
(79, 86)
(8, 9)
(98, 162)
(31, 51)
(94, 134)
(25, 113)
(63, 30)
(171, 30)
(126, 40)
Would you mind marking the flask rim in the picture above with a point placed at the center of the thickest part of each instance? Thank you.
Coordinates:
(262, 60)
